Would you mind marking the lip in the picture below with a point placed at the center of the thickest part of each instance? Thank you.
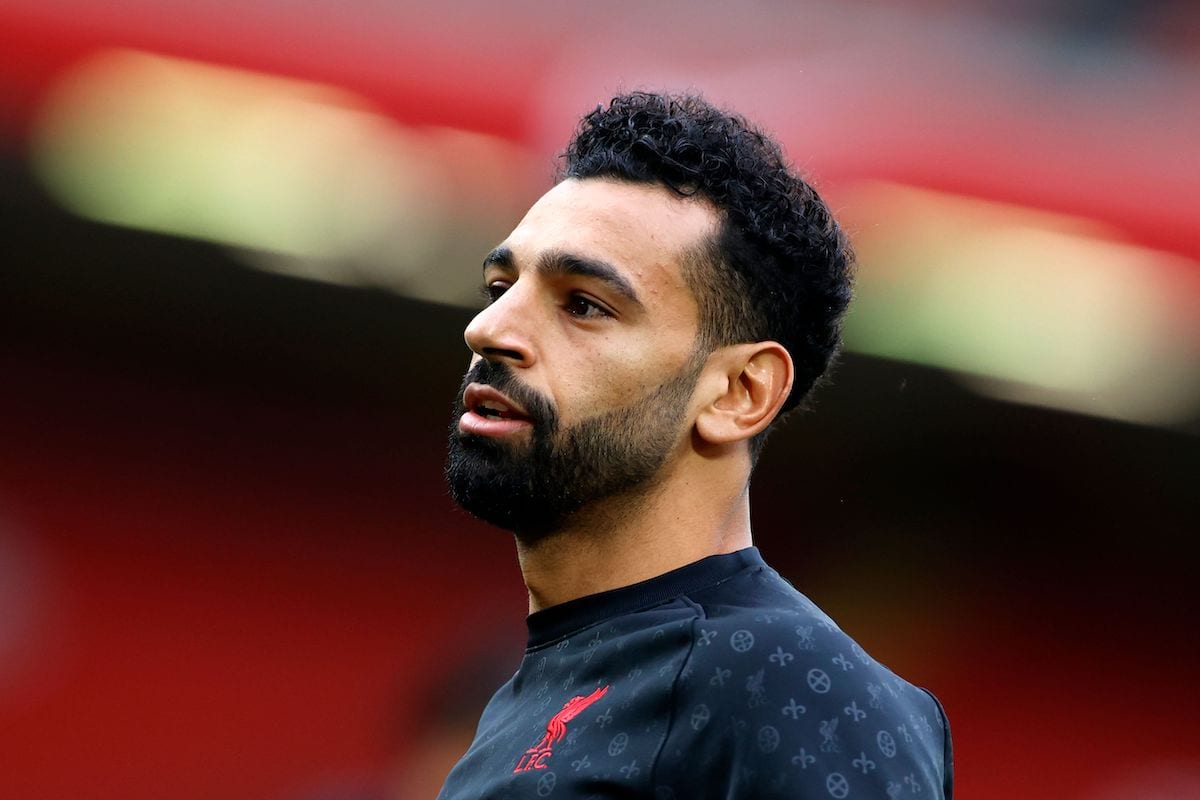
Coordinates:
(478, 393)
(472, 422)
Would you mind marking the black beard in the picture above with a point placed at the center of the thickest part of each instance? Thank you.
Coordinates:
(534, 488)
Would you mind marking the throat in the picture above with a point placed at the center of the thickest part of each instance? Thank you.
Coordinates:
(616, 544)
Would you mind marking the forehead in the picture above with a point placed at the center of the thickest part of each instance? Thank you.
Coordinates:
(644, 230)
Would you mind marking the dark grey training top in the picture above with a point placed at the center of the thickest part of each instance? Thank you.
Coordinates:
(716, 680)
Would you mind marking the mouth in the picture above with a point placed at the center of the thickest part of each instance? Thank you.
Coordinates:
(491, 413)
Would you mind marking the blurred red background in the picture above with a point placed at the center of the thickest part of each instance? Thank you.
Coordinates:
(228, 567)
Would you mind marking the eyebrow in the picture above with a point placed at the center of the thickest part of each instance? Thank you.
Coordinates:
(561, 262)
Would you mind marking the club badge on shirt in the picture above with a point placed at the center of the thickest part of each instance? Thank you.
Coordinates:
(537, 756)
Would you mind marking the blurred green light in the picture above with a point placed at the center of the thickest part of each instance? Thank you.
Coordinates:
(240, 158)
(1026, 306)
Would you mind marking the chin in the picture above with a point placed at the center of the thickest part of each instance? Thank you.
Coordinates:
(488, 483)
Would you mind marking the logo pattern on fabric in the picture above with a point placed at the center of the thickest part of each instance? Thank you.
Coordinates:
(537, 756)
(805, 711)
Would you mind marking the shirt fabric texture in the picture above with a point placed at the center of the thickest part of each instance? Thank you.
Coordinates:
(715, 680)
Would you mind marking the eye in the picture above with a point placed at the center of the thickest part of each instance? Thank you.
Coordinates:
(579, 305)
(492, 291)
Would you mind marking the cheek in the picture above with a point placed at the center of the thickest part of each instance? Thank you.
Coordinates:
(612, 380)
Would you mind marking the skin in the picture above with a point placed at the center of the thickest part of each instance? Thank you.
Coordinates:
(587, 345)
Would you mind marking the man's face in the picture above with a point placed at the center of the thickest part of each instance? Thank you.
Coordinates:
(585, 359)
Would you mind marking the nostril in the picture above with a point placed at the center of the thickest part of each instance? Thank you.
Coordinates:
(499, 352)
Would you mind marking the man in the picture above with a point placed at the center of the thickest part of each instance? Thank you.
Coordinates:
(650, 318)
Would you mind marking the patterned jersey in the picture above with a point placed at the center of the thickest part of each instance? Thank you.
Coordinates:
(716, 680)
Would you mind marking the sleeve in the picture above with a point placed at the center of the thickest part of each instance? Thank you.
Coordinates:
(947, 748)
(771, 708)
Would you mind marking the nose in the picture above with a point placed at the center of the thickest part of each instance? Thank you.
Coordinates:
(501, 332)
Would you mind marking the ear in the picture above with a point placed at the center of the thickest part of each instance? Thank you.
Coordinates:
(750, 383)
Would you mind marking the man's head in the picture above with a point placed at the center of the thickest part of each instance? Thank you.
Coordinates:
(676, 291)
(778, 267)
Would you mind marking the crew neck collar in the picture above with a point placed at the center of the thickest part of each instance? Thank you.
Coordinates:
(553, 623)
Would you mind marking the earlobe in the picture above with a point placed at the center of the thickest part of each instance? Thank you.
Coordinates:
(757, 380)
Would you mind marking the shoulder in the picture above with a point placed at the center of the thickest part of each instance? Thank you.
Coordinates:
(777, 695)
(757, 625)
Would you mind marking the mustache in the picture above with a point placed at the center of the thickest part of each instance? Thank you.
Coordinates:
(503, 378)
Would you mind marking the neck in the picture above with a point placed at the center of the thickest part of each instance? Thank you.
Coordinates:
(691, 514)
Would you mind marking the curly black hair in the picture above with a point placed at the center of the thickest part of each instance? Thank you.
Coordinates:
(778, 269)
